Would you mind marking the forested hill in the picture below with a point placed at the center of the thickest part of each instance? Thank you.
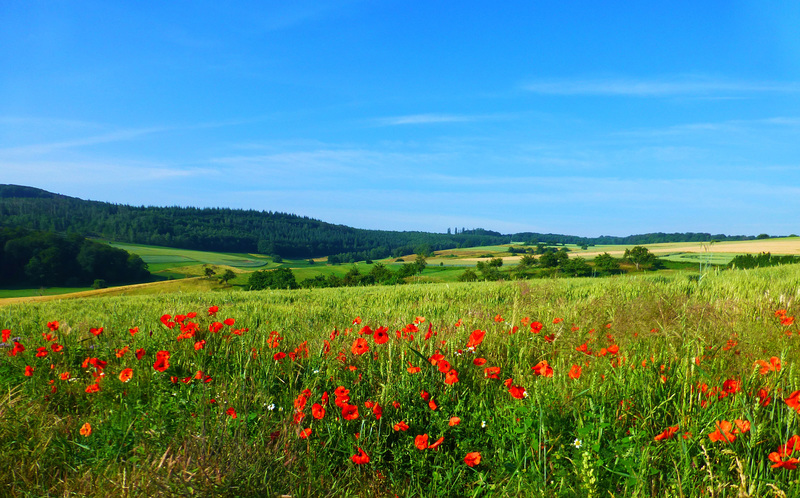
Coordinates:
(227, 230)
(236, 230)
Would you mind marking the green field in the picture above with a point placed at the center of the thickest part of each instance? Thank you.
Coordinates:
(50, 291)
(443, 267)
(643, 373)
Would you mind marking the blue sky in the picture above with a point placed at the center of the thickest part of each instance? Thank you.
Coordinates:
(585, 118)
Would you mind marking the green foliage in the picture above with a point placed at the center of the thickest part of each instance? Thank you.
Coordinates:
(553, 259)
(765, 259)
(640, 256)
(229, 275)
(281, 278)
(606, 264)
(576, 267)
(45, 258)
(469, 275)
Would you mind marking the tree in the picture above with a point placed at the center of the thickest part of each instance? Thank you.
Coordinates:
(380, 273)
(606, 263)
(420, 262)
(281, 278)
(469, 275)
(553, 259)
(577, 267)
(226, 276)
(640, 256)
(209, 272)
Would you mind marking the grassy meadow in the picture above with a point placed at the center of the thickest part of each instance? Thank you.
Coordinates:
(645, 385)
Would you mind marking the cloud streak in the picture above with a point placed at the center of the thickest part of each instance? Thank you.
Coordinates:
(656, 87)
(417, 119)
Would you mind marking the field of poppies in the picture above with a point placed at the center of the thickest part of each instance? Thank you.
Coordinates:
(631, 386)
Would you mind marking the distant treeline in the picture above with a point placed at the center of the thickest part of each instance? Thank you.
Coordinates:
(38, 258)
(744, 261)
(265, 232)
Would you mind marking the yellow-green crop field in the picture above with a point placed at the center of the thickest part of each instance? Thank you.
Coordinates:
(646, 385)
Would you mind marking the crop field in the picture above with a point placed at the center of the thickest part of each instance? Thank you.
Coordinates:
(174, 262)
(658, 385)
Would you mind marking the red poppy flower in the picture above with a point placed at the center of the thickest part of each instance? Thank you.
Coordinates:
(777, 462)
(451, 377)
(279, 356)
(668, 433)
(443, 366)
(360, 346)
(215, 327)
(478, 362)
(305, 433)
(412, 369)
(794, 401)
(126, 374)
(18, 348)
(317, 411)
(436, 443)
(213, 310)
(575, 372)
(472, 459)
(86, 429)
(421, 441)
(381, 335)
(742, 426)
(543, 368)
(536, 327)
(28, 371)
(400, 426)
(93, 388)
(763, 397)
(65, 376)
(492, 372)
(774, 365)
(723, 432)
(140, 353)
(41, 352)
(360, 458)
(350, 412)
(162, 361)
(476, 338)
(5, 333)
(300, 401)
(229, 322)
(517, 392)
(230, 411)
(791, 445)
(377, 410)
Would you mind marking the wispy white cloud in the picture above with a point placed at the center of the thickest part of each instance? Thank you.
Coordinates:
(115, 136)
(656, 87)
(414, 119)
